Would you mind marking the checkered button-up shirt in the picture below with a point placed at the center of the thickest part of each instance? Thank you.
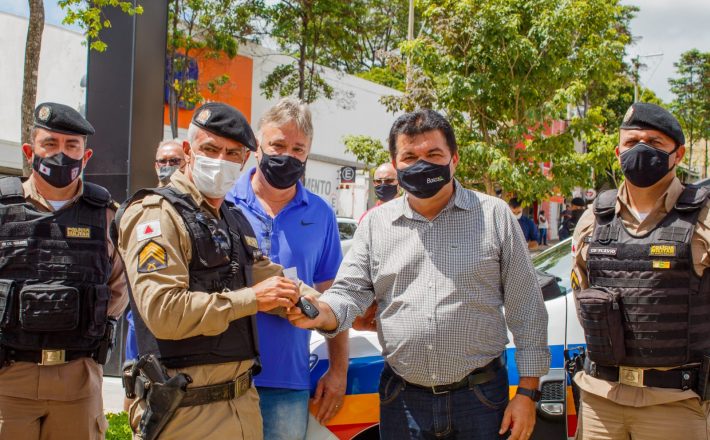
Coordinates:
(442, 287)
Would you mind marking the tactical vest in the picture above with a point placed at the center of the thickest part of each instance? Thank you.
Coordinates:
(221, 261)
(54, 272)
(646, 307)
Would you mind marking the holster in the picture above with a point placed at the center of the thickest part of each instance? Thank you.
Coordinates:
(703, 387)
(574, 362)
(163, 396)
(128, 378)
(103, 353)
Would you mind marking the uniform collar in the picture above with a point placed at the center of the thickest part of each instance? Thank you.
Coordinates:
(33, 195)
(662, 205)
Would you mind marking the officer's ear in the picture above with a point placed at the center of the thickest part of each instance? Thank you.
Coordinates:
(87, 155)
(680, 152)
(187, 150)
(28, 152)
(616, 151)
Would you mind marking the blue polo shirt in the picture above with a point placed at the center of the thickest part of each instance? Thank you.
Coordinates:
(303, 235)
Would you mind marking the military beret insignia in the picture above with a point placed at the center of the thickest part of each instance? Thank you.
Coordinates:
(152, 257)
(629, 114)
(44, 113)
(203, 116)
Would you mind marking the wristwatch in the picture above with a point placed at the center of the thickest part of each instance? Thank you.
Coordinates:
(535, 395)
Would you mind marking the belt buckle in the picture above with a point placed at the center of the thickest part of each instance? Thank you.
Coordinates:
(243, 383)
(435, 390)
(631, 376)
(53, 357)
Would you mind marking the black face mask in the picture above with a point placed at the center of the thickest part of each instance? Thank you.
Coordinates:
(59, 170)
(165, 172)
(644, 165)
(280, 170)
(424, 179)
(386, 192)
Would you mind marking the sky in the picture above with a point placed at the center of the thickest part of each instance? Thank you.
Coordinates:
(670, 27)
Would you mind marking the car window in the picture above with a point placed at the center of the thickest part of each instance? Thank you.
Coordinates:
(346, 230)
(557, 261)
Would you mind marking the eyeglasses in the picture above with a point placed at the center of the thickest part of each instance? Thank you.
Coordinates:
(378, 182)
(173, 161)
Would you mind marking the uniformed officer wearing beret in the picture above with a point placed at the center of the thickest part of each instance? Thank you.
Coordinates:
(61, 282)
(642, 287)
(198, 278)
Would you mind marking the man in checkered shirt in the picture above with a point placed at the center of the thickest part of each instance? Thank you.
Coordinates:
(442, 263)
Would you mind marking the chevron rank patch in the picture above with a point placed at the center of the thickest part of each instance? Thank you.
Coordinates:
(152, 257)
(251, 241)
(574, 281)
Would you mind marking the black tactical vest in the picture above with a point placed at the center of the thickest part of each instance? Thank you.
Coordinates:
(659, 310)
(221, 261)
(54, 272)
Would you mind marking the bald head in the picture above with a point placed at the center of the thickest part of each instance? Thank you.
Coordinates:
(169, 157)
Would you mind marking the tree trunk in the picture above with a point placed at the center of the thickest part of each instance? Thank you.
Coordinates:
(172, 99)
(302, 56)
(33, 45)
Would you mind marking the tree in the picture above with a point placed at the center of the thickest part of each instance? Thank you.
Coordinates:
(367, 150)
(211, 29)
(312, 31)
(89, 16)
(692, 103)
(503, 72)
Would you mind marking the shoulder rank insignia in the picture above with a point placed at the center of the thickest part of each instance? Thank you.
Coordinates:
(152, 257)
(574, 280)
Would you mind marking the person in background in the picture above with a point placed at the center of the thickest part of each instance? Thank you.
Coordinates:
(542, 228)
(169, 158)
(526, 223)
(386, 185)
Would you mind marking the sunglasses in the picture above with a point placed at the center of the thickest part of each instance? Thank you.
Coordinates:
(172, 161)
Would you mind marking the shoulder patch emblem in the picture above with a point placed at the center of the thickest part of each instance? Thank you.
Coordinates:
(152, 257)
(251, 241)
(662, 250)
(148, 230)
(74, 232)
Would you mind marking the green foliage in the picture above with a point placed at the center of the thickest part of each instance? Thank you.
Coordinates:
(118, 427)
(386, 77)
(89, 16)
(367, 150)
(212, 28)
(692, 103)
(502, 71)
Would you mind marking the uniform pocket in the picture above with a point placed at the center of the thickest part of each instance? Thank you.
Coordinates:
(601, 318)
(49, 308)
(97, 310)
(102, 425)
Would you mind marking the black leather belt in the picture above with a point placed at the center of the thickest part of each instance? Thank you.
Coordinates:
(214, 393)
(476, 377)
(45, 357)
(683, 378)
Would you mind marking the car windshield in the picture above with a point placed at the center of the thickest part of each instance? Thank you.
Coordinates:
(557, 261)
(346, 230)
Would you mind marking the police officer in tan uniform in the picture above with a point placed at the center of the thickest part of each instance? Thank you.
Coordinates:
(642, 287)
(62, 286)
(198, 278)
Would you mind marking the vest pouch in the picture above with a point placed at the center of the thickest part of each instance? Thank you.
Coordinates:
(49, 308)
(97, 310)
(602, 320)
(7, 304)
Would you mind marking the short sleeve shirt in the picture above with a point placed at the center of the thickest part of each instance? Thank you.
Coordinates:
(303, 235)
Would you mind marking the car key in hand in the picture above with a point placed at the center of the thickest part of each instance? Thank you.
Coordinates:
(307, 308)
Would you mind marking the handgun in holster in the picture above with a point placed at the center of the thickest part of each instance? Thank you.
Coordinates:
(574, 363)
(103, 353)
(703, 387)
(163, 396)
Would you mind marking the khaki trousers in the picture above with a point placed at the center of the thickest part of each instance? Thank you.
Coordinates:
(602, 419)
(236, 419)
(30, 419)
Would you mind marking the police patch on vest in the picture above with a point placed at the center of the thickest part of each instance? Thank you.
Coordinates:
(662, 250)
(251, 241)
(73, 232)
(602, 251)
(661, 264)
(152, 257)
(13, 243)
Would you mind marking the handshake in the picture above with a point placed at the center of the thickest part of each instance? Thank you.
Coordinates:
(301, 311)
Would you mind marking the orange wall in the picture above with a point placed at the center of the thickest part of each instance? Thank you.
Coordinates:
(236, 92)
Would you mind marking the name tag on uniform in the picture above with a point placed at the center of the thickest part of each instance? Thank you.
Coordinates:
(662, 250)
(73, 232)
(603, 251)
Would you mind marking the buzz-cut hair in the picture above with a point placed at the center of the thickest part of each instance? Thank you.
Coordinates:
(289, 110)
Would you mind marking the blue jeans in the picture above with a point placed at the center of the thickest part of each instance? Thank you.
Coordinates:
(542, 237)
(285, 413)
(412, 413)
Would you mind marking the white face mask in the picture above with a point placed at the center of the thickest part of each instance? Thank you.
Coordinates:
(518, 216)
(214, 177)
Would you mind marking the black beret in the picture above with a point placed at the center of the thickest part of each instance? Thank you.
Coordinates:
(62, 119)
(226, 121)
(578, 201)
(645, 116)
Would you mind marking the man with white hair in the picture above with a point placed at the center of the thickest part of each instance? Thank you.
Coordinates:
(298, 230)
